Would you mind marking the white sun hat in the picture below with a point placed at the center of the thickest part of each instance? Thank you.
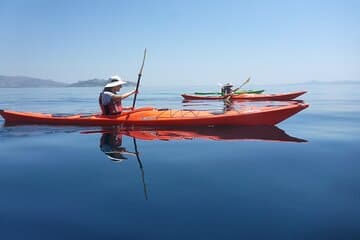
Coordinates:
(115, 81)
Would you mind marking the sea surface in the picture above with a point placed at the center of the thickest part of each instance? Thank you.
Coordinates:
(299, 180)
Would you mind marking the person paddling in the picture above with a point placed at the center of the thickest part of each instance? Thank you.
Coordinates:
(109, 100)
(226, 89)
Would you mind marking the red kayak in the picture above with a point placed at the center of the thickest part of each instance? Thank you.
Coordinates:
(148, 116)
(248, 97)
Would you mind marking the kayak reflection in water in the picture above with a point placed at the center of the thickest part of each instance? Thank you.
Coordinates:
(110, 144)
(228, 105)
(260, 133)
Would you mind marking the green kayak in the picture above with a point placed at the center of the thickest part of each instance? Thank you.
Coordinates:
(237, 92)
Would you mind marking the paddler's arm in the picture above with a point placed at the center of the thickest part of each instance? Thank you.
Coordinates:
(125, 95)
(233, 91)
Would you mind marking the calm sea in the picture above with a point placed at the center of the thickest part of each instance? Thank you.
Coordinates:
(299, 180)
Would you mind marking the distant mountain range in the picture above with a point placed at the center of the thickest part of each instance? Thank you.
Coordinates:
(89, 83)
(24, 82)
(30, 82)
(335, 82)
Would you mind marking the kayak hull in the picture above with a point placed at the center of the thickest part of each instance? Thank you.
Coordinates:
(251, 116)
(249, 97)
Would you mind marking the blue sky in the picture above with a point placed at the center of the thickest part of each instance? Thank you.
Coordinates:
(188, 42)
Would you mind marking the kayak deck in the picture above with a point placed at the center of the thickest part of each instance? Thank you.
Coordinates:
(248, 96)
(250, 116)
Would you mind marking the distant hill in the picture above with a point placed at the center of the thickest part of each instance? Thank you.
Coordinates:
(29, 82)
(89, 83)
(25, 82)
